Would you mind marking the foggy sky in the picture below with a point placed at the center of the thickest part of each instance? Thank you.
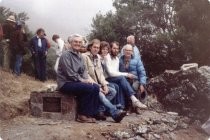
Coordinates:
(63, 17)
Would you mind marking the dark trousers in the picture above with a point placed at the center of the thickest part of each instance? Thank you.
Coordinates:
(125, 89)
(87, 96)
(40, 66)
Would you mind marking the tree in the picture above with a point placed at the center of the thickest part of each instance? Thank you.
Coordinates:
(168, 32)
(104, 27)
(193, 22)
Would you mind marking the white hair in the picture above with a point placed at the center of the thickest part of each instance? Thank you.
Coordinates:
(128, 46)
(130, 36)
(71, 37)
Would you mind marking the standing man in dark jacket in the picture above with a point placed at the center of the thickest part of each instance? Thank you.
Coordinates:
(8, 51)
(39, 47)
(18, 40)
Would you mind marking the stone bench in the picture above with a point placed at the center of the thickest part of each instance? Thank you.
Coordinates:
(53, 105)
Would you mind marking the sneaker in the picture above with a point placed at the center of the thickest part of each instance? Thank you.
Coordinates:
(119, 116)
(138, 104)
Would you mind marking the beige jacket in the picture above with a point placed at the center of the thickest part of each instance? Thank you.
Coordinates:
(94, 71)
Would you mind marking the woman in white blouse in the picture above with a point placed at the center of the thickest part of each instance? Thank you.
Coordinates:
(59, 49)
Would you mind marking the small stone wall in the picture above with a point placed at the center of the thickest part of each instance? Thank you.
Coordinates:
(53, 105)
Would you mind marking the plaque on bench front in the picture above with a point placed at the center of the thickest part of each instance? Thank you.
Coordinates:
(51, 104)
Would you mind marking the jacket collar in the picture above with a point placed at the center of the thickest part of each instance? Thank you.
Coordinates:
(91, 56)
(123, 56)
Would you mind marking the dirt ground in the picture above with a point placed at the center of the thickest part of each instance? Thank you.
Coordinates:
(29, 128)
(16, 123)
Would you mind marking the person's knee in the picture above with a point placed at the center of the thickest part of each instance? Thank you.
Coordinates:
(123, 80)
(96, 88)
(112, 92)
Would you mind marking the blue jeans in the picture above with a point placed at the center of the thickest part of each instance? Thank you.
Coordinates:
(111, 94)
(110, 107)
(87, 96)
(18, 64)
(125, 89)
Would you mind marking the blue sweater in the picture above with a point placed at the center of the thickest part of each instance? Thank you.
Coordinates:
(135, 67)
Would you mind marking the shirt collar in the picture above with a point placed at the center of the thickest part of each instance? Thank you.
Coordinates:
(91, 55)
(123, 56)
(72, 51)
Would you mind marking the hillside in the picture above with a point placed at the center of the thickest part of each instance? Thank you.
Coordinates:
(15, 92)
(16, 123)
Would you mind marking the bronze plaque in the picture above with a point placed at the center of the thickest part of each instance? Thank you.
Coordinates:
(51, 104)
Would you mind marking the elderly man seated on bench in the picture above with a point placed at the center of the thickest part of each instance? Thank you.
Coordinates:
(72, 78)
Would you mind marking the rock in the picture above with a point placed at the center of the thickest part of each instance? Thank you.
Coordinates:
(185, 91)
(157, 136)
(89, 136)
(173, 113)
(157, 122)
(106, 134)
(136, 138)
(121, 135)
(172, 136)
(182, 125)
(53, 105)
(189, 68)
(142, 129)
(151, 137)
(160, 128)
(206, 126)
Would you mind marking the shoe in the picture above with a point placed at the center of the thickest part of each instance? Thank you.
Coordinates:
(85, 119)
(100, 116)
(138, 111)
(143, 97)
(138, 104)
(119, 116)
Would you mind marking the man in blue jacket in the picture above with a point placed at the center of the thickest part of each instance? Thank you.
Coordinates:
(39, 47)
(133, 65)
(131, 41)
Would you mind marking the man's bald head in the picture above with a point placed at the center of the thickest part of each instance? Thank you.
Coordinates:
(131, 40)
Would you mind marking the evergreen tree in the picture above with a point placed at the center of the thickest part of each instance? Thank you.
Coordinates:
(168, 32)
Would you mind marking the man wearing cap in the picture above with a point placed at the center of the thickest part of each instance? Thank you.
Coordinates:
(8, 28)
(39, 47)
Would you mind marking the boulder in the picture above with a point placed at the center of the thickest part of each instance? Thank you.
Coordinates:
(186, 91)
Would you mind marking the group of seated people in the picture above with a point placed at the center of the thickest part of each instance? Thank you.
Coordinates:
(104, 81)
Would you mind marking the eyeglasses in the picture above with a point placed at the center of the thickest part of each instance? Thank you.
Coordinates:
(76, 41)
(128, 50)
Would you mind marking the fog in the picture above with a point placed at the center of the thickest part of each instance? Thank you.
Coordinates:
(63, 17)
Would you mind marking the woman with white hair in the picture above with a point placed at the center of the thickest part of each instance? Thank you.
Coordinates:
(59, 49)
